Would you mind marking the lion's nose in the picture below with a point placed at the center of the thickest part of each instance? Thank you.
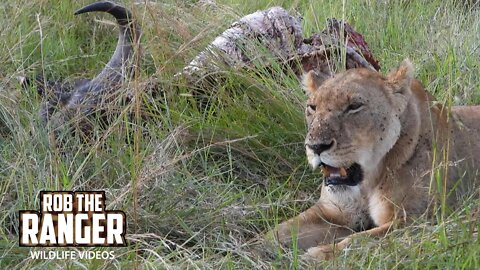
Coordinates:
(321, 147)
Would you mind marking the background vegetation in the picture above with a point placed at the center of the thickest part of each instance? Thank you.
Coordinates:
(199, 186)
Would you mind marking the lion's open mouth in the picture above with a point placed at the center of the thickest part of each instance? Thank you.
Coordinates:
(350, 176)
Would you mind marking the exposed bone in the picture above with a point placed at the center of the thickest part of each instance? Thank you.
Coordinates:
(279, 31)
(281, 34)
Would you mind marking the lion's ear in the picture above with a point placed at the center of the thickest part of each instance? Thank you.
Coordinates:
(312, 80)
(401, 79)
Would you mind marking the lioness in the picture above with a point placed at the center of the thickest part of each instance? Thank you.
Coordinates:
(378, 140)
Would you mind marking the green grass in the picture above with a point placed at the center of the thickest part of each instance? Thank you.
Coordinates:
(199, 187)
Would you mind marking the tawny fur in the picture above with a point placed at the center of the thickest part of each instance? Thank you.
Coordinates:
(392, 137)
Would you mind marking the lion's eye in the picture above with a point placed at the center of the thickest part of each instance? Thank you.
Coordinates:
(354, 107)
(312, 107)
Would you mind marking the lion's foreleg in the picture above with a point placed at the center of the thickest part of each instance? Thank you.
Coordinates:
(326, 252)
(309, 229)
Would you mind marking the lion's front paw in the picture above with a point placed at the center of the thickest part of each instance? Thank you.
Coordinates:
(321, 253)
(326, 252)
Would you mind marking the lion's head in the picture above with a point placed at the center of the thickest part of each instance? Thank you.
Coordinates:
(354, 119)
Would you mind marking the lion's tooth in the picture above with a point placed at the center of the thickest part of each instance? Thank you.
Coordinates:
(325, 171)
(343, 172)
(335, 174)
